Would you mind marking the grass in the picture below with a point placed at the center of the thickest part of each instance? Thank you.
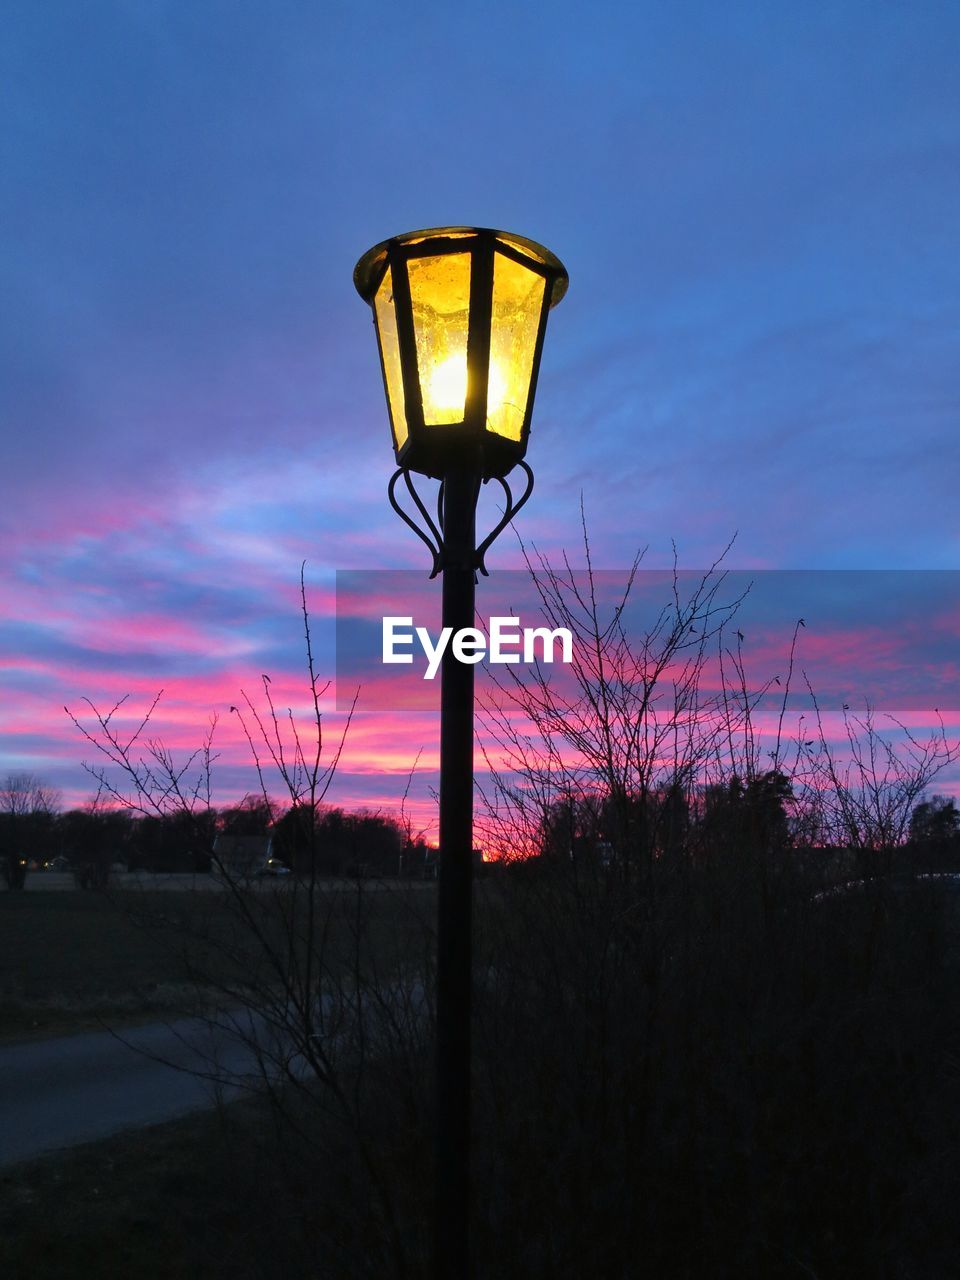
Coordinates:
(224, 1195)
(71, 961)
(149, 1204)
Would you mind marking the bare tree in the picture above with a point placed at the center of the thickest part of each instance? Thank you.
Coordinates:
(27, 806)
(629, 720)
(673, 1022)
(319, 983)
(862, 791)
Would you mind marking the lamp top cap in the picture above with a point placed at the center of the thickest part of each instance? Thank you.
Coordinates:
(366, 275)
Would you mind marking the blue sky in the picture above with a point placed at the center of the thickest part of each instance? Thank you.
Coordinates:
(758, 205)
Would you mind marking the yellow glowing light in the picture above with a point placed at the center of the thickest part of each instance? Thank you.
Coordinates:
(496, 388)
(518, 295)
(386, 313)
(447, 389)
(440, 299)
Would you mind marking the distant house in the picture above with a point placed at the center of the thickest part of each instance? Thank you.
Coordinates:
(240, 856)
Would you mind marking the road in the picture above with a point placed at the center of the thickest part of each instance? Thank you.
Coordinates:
(60, 1092)
(72, 1089)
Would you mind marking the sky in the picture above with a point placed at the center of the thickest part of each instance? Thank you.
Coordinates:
(759, 209)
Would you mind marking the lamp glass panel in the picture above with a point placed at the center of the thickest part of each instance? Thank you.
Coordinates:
(440, 298)
(386, 314)
(517, 303)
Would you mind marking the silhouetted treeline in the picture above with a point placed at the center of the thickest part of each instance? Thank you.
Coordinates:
(27, 809)
(935, 834)
(93, 841)
(334, 843)
(751, 821)
(754, 822)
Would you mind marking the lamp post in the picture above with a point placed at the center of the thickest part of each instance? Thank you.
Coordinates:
(460, 315)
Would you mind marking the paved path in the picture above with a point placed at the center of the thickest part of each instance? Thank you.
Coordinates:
(61, 1092)
(73, 1089)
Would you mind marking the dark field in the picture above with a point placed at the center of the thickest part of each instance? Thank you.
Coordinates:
(71, 961)
(148, 1204)
(716, 1076)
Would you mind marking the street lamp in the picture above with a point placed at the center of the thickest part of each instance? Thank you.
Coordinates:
(460, 314)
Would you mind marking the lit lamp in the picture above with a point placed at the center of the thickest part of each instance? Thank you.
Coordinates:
(460, 314)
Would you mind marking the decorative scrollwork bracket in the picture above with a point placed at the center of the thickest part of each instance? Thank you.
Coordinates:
(431, 532)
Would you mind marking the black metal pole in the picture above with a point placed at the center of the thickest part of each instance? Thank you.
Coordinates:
(452, 1256)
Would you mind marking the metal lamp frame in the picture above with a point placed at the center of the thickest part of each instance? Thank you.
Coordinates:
(431, 534)
(436, 449)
